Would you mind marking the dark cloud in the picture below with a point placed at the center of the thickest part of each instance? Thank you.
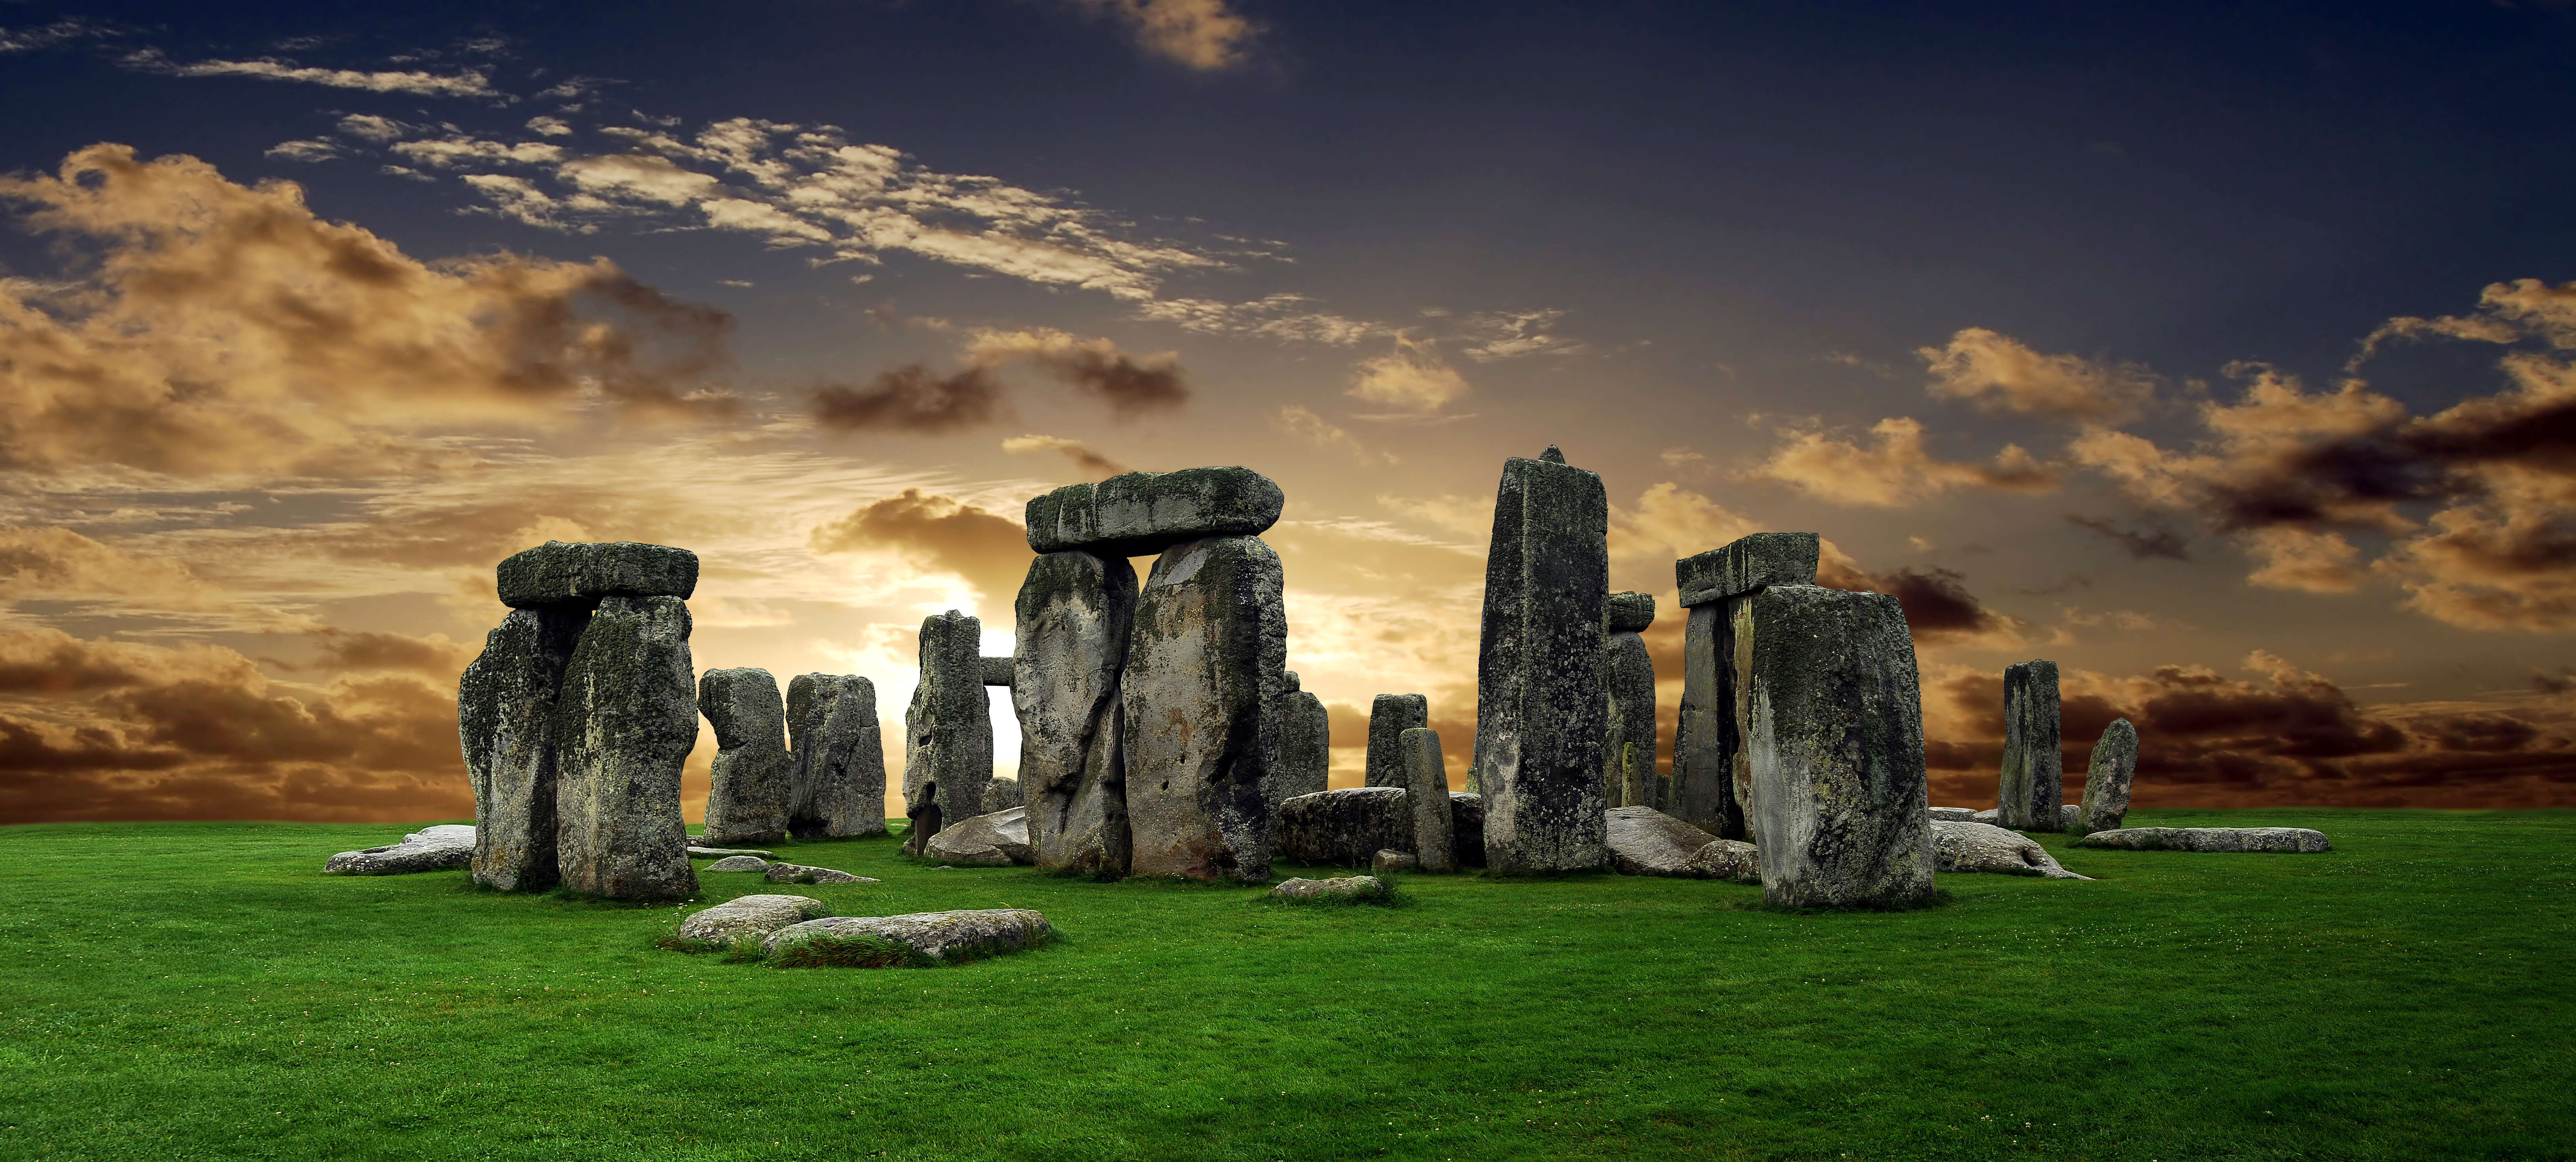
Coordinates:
(1129, 387)
(2146, 542)
(2548, 683)
(1938, 606)
(912, 398)
(1091, 461)
(990, 551)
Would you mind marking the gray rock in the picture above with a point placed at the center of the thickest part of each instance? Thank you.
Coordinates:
(2032, 786)
(1540, 701)
(996, 840)
(1647, 842)
(738, 863)
(1747, 564)
(1836, 741)
(562, 574)
(1711, 774)
(1983, 847)
(1426, 793)
(1305, 744)
(696, 852)
(1389, 861)
(936, 935)
(1142, 513)
(838, 757)
(2067, 816)
(505, 721)
(1002, 795)
(1727, 859)
(948, 730)
(1632, 737)
(1989, 815)
(1206, 664)
(1467, 829)
(624, 723)
(749, 917)
(2211, 839)
(1952, 814)
(1628, 611)
(1075, 613)
(751, 783)
(998, 671)
(2107, 775)
(440, 848)
(1345, 826)
(797, 873)
(1390, 715)
(1355, 887)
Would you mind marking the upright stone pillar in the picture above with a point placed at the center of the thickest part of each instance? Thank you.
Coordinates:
(1629, 745)
(1206, 666)
(751, 784)
(2107, 774)
(1540, 700)
(1426, 792)
(948, 730)
(1390, 715)
(2032, 786)
(1712, 772)
(625, 721)
(1075, 612)
(505, 720)
(1305, 744)
(838, 762)
(1836, 747)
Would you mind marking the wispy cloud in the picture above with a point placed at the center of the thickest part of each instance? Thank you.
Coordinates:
(472, 83)
(1203, 35)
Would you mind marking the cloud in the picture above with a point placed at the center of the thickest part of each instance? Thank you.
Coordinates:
(1894, 471)
(1667, 523)
(2000, 374)
(1512, 334)
(912, 398)
(1412, 379)
(987, 550)
(54, 35)
(1082, 455)
(436, 655)
(1939, 610)
(474, 83)
(1130, 385)
(369, 127)
(2145, 543)
(57, 564)
(1278, 316)
(1302, 422)
(2307, 560)
(313, 150)
(1202, 35)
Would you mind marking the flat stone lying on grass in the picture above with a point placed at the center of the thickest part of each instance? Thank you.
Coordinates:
(1388, 861)
(935, 935)
(749, 916)
(440, 848)
(996, 840)
(797, 873)
(1647, 842)
(1954, 814)
(696, 852)
(1983, 847)
(739, 863)
(2211, 839)
(1354, 887)
(1727, 859)
(1141, 513)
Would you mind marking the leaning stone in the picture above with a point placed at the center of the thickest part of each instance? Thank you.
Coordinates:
(1747, 564)
(1351, 887)
(562, 574)
(1305, 744)
(1727, 859)
(751, 783)
(696, 852)
(440, 848)
(935, 935)
(1647, 842)
(1540, 700)
(2032, 785)
(738, 863)
(839, 757)
(625, 723)
(1002, 795)
(1345, 826)
(1142, 513)
(996, 840)
(1206, 664)
(1836, 747)
(2107, 775)
(997, 671)
(748, 917)
(948, 730)
(1426, 793)
(2211, 839)
(1388, 861)
(505, 719)
(1075, 613)
(1390, 715)
(1632, 737)
(1628, 612)
(1983, 847)
(1953, 814)
(797, 873)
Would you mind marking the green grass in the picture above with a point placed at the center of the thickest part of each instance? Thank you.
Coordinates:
(179, 991)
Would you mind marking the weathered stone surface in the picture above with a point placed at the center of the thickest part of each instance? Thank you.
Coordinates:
(1206, 664)
(1747, 564)
(2107, 774)
(696, 852)
(2211, 839)
(839, 757)
(1467, 829)
(797, 873)
(505, 721)
(995, 840)
(563, 574)
(1836, 743)
(1647, 842)
(1953, 814)
(1149, 512)
(937, 935)
(1727, 859)
(440, 848)
(1710, 771)
(1982, 847)
(1426, 791)
(749, 917)
(1628, 611)
(1002, 795)
(624, 722)
(1540, 701)
(948, 730)
(1989, 815)
(1076, 612)
(1388, 861)
(998, 671)
(2032, 786)
(751, 783)
(1631, 739)
(1357, 887)
(1345, 826)
(1390, 715)
(1305, 744)
(738, 863)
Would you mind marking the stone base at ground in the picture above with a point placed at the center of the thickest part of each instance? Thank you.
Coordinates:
(749, 916)
(2263, 839)
(1647, 842)
(738, 863)
(1346, 826)
(1352, 887)
(1388, 861)
(996, 840)
(797, 873)
(936, 935)
(1983, 847)
(442, 848)
(1727, 859)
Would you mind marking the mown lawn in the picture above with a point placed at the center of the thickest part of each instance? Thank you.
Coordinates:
(203, 991)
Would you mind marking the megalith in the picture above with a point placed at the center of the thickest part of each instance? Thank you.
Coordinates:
(2032, 785)
(1206, 666)
(1426, 791)
(568, 575)
(998, 671)
(751, 784)
(838, 779)
(1540, 700)
(1390, 715)
(625, 721)
(505, 723)
(1136, 513)
(1629, 744)
(1305, 744)
(948, 730)
(2107, 774)
(1075, 611)
(1712, 773)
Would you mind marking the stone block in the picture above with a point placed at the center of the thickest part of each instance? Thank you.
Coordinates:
(948, 730)
(1541, 704)
(1632, 737)
(1426, 779)
(1139, 513)
(1629, 612)
(1390, 715)
(1345, 826)
(838, 757)
(2031, 787)
(567, 575)
(1075, 614)
(1206, 668)
(751, 782)
(2107, 775)
(625, 722)
(505, 721)
(1747, 564)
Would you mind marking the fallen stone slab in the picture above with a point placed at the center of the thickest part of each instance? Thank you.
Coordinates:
(1983, 847)
(440, 848)
(797, 873)
(738, 863)
(1388, 861)
(2065, 815)
(2211, 839)
(1346, 826)
(912, 938)
(564, 574)
(1647, 842)
(1727, 859)
(696, 852)
(1143, 513)
(1954, 814)
(999, 839)
(749, 916)
(1343, 887)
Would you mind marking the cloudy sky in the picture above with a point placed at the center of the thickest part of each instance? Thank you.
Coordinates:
(2226, 357)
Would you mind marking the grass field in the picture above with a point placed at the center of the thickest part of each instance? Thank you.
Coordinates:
(201, 991)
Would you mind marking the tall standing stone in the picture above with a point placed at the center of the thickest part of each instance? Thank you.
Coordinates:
(1540, 701)
(1712, 773)
(2107, 774)
(1075, 612)
(1206, 666)
(1305, 744)
(2032, 785)
(948, 730)
(751, 784)
(1390, 715)
(625, 721)
(1836, 744)
(1426, 790)
(505, 721)
(838, 758)
(1629, 745)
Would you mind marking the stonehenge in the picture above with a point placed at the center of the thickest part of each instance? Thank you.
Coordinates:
(1630, 743)
(1712, 770)
(751, 783)
(624, 723)
(1390, 715)
(2032, 784)
(1075, 611)
(1305, 744)
(1540, 700)
(505, 722)
(837, 758)
(948, 730)
(1206, 665)
(2107, 775)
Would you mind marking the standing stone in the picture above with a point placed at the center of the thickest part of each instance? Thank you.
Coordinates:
(1075, 612)
(1540, 701)
(1629, 746)
(1426, 789)
(751, 784)
(1002, 794)
(948, 730)
(1839, 792)
(624, 723)
(1390, 715)
(1205, 666)
(1305, 744)
(839, 778)
(998, 671)
(1712, 774)
(2033, 783)
(505, 720)
(2106, 778)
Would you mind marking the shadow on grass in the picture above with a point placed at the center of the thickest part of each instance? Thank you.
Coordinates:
(1940, 898)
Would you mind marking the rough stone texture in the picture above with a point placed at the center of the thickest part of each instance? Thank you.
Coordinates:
(2107, 774)
(2032, 786)
(440, 848)
(1632, 737)
(1467, 828)
(1361, 887)
(1707, 748)
(624, 723)
(751, 783)
(505, 721)
(948, 730)
(1727, 859)
(1002, 795)
(737, 863)
(696, 852)
(1390, 715)
(1305, 744)
(746, 917)
(2211, 839)
(999, 671)
(937, 935)
(1141, 513)
(1647, 842)
(1540, 701)
(1836, 744)
(839, 757)
(1953, 814)
(1426, 792)
(1747, 564)
(1345, 826)
(995, 840)
(1389, 861)
(562, 574)
(1628, 611)
(1982, 847)
(797, 873)
(1989, 815)
(1206, 665)
(1076, 612)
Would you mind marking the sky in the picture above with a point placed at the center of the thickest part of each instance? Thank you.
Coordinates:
(2223, 354)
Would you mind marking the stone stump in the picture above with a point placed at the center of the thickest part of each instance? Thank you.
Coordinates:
(505, 721)
(838, 780)
(1305, 744)
(1540, 700)
(624, 721)
(1390, 715)
(751, 784)
(1206, 665)
(948, 730)
(2032, 786)
(2107, 774)
(1712, 773)
(1345, 826)
(1426, 792)
(1629, 745)
(1075, 612)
